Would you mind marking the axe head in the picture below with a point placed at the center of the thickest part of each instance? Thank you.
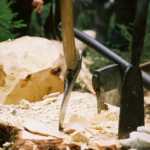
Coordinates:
(69, 84)
(107, 83)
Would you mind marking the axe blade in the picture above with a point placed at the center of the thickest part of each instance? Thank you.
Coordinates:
(69, 84)
(107, 83)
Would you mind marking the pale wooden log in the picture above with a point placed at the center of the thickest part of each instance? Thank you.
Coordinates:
(30, 67)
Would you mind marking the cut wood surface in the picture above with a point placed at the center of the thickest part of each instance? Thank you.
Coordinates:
(31, 67)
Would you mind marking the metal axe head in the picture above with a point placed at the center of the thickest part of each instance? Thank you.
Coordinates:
(107, 83)
(71, 77)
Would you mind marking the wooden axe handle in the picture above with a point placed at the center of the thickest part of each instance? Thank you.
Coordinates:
(70, 52)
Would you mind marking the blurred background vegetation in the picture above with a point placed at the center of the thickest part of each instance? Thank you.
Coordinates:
(85, 22)
(6, 25)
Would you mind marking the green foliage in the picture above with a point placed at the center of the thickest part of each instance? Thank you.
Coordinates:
(6, 23)
(125, 33)
(146, 53)
(34, 26)
(100, 61)
(146, 50)
(81, 86)
(84, 22)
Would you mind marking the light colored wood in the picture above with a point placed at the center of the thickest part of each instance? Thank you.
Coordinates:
(145, 67)
(30, 68)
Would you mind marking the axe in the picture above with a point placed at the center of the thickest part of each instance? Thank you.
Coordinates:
(73, 57)
(107, 81)
(132, 96)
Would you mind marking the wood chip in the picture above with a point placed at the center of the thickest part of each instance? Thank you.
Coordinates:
(40, 128)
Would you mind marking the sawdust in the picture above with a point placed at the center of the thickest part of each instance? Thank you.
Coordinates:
(39, 120)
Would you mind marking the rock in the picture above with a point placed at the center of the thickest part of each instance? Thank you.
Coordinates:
(143, 129)
(138, 139)
(30, 67)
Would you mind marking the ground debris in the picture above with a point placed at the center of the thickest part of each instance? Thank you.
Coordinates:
(36, 126)
(8, 133)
